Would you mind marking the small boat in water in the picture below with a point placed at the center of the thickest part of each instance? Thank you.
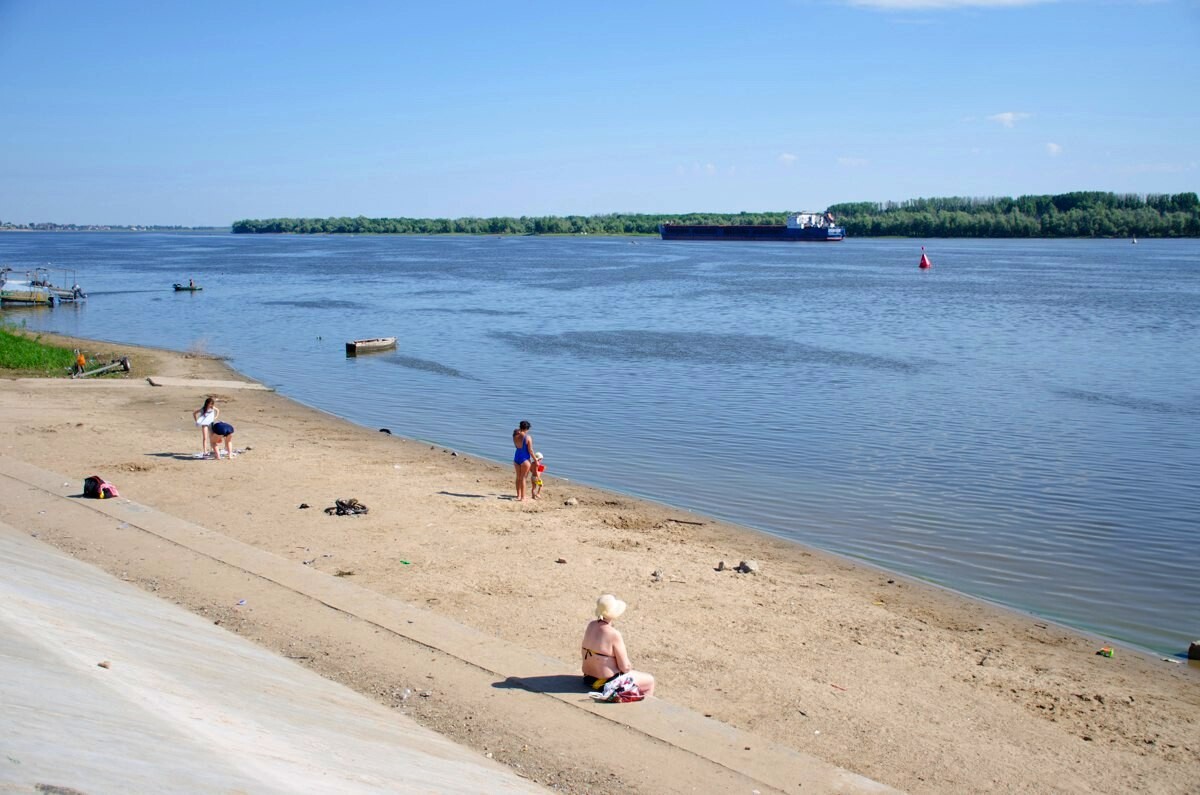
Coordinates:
(355, 347)
(187, 288)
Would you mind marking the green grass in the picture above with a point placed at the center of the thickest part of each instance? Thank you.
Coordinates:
(32, 356)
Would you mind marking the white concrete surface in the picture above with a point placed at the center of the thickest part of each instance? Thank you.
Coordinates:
(185, 706)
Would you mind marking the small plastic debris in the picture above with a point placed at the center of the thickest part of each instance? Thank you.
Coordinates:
(241, 601)
(406, 563)
(1106, 651)
(347, 507)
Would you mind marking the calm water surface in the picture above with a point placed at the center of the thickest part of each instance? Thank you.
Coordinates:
(1020, 423)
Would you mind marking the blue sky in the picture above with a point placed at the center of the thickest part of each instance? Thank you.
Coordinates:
(204, 113)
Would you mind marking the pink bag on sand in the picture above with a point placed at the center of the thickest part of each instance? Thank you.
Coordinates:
(98, 488)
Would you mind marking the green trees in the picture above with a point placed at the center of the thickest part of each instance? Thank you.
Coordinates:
(1077, 214)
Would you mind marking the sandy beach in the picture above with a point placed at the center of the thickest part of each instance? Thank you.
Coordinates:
(906, 684)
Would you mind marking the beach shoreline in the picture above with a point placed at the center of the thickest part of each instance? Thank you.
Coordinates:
(913, 685)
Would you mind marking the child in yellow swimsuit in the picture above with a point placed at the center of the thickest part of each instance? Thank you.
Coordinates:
(538, 469)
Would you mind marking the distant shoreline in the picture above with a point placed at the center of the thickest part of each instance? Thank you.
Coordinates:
(100, 228)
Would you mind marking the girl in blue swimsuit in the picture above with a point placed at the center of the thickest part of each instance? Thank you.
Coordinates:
(523, 458)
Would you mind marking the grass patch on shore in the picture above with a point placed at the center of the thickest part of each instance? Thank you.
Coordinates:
(23, 355)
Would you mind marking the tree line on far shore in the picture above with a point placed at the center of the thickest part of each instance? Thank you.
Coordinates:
(1078, 214)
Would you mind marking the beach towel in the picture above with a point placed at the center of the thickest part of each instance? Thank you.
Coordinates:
(620, 689)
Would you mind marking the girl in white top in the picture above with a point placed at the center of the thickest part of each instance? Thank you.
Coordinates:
(205, 416)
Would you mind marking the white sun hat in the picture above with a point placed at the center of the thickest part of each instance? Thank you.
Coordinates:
(609, 607)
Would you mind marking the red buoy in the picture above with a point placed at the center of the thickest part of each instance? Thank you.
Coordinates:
(925, 263)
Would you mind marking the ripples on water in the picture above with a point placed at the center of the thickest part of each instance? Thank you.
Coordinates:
(1019, 423)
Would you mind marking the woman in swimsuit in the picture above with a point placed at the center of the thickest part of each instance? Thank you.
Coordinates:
(523, 458)
(604, 655)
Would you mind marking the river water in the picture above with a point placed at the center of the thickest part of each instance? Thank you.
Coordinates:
(1021, 423)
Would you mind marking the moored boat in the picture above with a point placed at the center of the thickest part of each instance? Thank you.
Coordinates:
(355, 347)
(187, 288)
(72, 293)
(800, 227)
(24, 289)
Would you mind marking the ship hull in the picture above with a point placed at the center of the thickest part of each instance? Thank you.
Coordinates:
(825, 234)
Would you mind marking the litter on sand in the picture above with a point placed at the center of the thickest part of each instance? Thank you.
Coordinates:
(349, 507)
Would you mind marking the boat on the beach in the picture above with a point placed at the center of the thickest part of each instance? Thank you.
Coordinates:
(355, 347)
(187, 288)
(24, 289)
(800, 227)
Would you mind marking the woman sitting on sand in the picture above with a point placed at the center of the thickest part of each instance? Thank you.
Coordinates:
(603, 652)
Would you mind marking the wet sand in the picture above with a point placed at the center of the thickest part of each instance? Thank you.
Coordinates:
(907, 684)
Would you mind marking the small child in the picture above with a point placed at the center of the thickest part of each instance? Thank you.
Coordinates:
(538, 469)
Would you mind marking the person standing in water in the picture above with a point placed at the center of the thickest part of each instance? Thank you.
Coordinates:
(523, 457)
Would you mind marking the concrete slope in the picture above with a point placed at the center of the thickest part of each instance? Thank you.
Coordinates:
(107, 689)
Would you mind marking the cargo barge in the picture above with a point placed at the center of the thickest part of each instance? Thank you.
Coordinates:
(800, 227)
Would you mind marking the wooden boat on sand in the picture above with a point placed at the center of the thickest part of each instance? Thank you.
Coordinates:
(355, 347)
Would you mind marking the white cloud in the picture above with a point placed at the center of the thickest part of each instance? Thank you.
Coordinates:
(788, 159)
(1053, 149)
(920, 5)
(1008, 118)
(852, 162)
